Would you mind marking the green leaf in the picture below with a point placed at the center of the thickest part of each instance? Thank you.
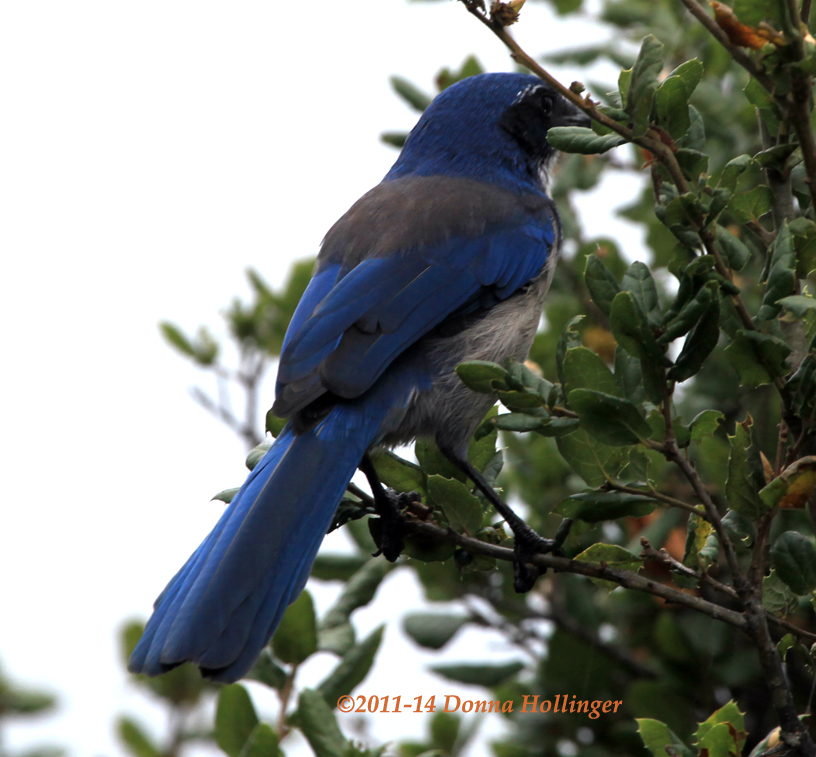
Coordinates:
(614, 556)
(705, 424)
(760, 97)
(733, 170)
(358, 592)
(319, 725)
(337, 567)
(177, 338)
(777, 597)
(482, 376)
(595, 507)
(136, 739)
(750, 206)
(794, 558)
(782, 274)
(628, 376)
(570, 337)
(337, 639)
(268, 672)
(255, 456)
(690, 72)
(692, 163)
(718, 742)
(409, 92)
(729, 713)
(482, 451)
(581, 140)
(592, 460)
(235, 719)
(610, 419)
(798, 304)
(786, 643)
(744, 473)
(638, 280)
(461, 507)
(671, 103)
(657, 736)
(644, 82)
(702, 547)
(399, 474)
(631, 330)
(691, 313)
(752, 12)
(471, 67)
(759, 358)
(434, 463)
(432, 630)
(695, 137)
(262, 742)
(352, 669)
(734, 251)
(296, 637)
(227, 495)
(699, 344)
(479, 675)
(776, 157)
(804, 239)
(274, 425)
(394, 138)
(584, 369)
(518, 422)
(624, 78)
(601, 283)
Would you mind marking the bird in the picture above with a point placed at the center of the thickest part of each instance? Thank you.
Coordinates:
(446, 260)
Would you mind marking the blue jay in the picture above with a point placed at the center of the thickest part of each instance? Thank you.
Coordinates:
(447, 259)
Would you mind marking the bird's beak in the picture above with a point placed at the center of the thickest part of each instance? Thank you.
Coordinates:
(575, 117)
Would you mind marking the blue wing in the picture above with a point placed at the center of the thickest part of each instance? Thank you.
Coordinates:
(354, 321)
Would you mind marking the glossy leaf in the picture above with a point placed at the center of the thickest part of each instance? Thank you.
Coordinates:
(462, 508)
(296, 637)
(352, 669)
(744, 473)
(262, 742)
(601, 283)
(610, 419)
(579, 139)
(614, 557)
(794, 558)
(759, 358)
(595, 507)
(644, 82)
(318, 724)
(657, 736)
(235, 719)
(478, 674)
(432, 630)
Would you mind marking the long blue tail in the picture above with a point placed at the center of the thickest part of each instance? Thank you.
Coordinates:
(223, 606)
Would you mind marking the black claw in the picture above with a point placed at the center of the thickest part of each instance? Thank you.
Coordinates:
(390, 507)
(528, 543)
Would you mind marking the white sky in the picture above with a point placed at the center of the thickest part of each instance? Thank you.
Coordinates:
(149, 153)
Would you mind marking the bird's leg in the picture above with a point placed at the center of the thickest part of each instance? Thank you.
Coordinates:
(389, 506)
(528, 542)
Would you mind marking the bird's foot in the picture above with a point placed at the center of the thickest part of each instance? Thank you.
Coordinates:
(528, 544)
(391, 506)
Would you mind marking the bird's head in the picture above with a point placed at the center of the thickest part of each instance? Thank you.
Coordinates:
(491, 127)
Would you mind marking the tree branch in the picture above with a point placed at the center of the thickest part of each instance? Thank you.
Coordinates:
(591, 570)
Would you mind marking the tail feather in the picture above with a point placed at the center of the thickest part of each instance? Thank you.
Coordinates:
(222, 607)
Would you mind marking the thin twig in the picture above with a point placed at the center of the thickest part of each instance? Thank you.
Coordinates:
(592, 570)
(658, 497)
